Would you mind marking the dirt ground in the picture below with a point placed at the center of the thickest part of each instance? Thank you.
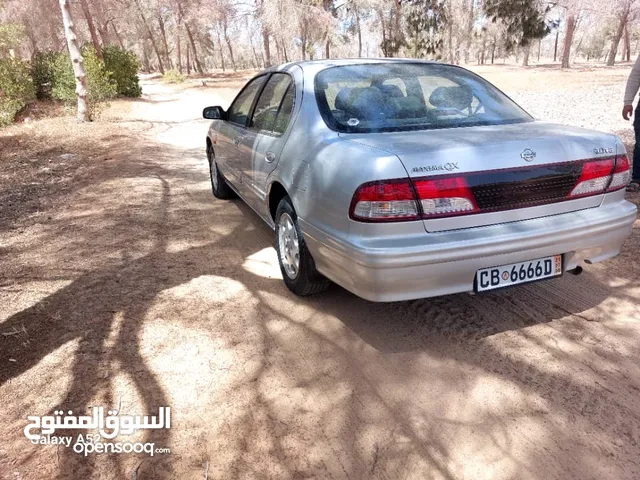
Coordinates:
(124, 283)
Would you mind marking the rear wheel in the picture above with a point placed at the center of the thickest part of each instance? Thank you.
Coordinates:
(219, 185)
(296, 264)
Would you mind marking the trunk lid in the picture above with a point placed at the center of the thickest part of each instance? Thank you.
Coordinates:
(516, 172)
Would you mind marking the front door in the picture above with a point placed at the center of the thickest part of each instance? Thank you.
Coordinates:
(233, 131)
(261, 147)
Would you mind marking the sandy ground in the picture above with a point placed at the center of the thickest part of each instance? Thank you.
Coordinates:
(123, 282)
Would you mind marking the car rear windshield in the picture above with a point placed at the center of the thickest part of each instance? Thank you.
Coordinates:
(407, 96)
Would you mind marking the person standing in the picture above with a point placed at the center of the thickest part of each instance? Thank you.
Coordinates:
(633, 85)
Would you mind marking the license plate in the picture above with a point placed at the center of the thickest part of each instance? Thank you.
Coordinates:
(516, 273)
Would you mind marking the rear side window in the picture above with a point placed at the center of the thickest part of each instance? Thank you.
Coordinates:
(241, 106)
(406, 96)
(267, 114)
(286, 107)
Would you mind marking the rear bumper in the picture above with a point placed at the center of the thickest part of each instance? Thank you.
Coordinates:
(443, 263)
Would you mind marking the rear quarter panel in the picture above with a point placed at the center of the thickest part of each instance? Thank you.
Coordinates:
(322, 171)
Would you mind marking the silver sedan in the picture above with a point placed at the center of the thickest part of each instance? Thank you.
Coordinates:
(402, 179)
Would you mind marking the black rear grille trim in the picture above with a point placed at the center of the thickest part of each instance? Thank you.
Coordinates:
(524, 187)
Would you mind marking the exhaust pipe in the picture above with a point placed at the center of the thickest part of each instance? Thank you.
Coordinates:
(576, 271)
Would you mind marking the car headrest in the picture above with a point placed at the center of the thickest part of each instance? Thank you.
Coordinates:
(451, 97)
(368, 103)
(392, 91)
(408, 107)
(343, 99)
(362, 102)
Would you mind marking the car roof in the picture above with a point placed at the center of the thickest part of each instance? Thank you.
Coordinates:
(316, 65)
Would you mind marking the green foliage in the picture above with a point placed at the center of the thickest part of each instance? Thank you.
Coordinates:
(53, 74)
(123, 66)
(11, 34)
(16, 88)
(42, 73)
(173, 76)
(100, 86)
(524, 19)
(426, 20)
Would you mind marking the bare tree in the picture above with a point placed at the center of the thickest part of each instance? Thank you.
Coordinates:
(178, 15)
(568, 39)
(92, 29)
(151, 36)
(194, 49)
(76, 59)
(626, 11)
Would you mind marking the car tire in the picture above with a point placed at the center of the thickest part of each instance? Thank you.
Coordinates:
(219, 185)
(301, 276)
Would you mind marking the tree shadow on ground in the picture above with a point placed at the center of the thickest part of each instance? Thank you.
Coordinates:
(150, 246)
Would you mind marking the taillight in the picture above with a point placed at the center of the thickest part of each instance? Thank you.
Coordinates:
(621, 174)
(445, 197)
(384, 201)
(595, 178)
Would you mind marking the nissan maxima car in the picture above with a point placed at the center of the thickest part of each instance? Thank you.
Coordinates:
(404, 179)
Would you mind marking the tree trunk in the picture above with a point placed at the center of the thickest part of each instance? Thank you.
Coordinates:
(568, 40)
(221, 52)
(151, 37)
(163, 34)
(525, 57)
(539, 48)
(469, 31)
(278, 49)
(555, 47)
(327, 49)
(188, 60)
(228, 40)
(579, 46)
(396, 30)
(103, 31)
(384, 35)
(627, 45)
(493, 52)
(196, 59)
(303, 40)
(267, 50)
(284, 51)
(359, 30)
(624, 16)
(145, 58)
(178, 23)
(76, 59)
(53, 34)
(118, 37)
(92, 28)
(256, 59)
(102, 22)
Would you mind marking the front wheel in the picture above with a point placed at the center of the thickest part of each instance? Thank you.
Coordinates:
(219, 186)
(296, 264)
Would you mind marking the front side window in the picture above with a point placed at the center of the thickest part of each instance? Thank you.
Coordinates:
(241, 106)
(410, 96)
(270, 104)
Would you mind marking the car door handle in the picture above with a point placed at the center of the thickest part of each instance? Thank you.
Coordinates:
(269, 157)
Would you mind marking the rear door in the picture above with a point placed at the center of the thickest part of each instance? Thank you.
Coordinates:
(261, 146)
(233, 131)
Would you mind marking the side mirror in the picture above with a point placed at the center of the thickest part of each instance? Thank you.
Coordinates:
(214, 113)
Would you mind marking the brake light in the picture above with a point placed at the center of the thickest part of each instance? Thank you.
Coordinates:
(621, 174)
(595, 177)
(384, 201)
(445, 197)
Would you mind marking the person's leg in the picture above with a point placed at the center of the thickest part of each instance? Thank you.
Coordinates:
(635, 173)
